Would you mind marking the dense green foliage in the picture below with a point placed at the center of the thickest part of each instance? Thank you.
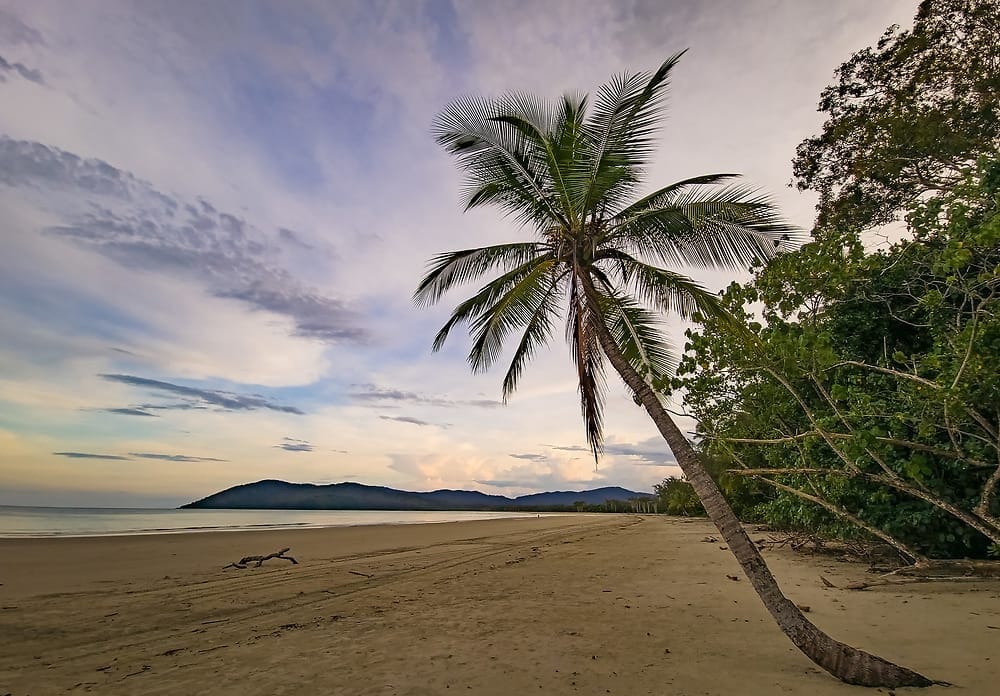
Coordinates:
(907, 115)
(874, 378)
(864, 401)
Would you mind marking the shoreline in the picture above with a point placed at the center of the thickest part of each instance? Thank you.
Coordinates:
(573, 604)
(348, 518)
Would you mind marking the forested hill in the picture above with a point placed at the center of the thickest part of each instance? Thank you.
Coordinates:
(281, 495)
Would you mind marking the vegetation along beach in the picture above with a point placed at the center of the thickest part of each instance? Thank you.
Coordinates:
(278, 415)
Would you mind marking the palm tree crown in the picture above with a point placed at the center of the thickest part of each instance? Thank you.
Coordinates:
(571, 177)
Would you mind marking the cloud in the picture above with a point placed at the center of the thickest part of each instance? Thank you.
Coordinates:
(178, 406)
(13, 31)
(227, 401)
(111, 212)
(293, 239)
(21, 69)
(130, 412)
(374, 394)
(291, 444)
(411, 420)
(530, 457)
(651, 452)
(88, 455)
(174, 457)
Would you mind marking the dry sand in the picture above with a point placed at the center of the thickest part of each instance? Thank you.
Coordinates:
(559, 605)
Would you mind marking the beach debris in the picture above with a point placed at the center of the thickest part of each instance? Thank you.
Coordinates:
(259, 560)
(142, 670)
(734, 578)
(882, 581)
(364, 575)
(826, 583)
(804, 608)
(710, 540)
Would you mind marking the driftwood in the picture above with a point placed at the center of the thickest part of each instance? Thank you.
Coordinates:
(929, 571)
(865, 584)
(242, 563)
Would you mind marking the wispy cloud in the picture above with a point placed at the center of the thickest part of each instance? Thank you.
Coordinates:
(90, 455)
(378, 395)
(227, 401)
(129, 221)
(291, 444)
(651, 452)
(139, 455)
(14, 31)
(130, 412)
(411, 420)
(29, 74)
(530, 457)
(174, 457)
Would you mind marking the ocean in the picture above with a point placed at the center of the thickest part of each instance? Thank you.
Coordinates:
(37, 522)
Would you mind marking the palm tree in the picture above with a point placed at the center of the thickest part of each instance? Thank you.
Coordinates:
(571, 177)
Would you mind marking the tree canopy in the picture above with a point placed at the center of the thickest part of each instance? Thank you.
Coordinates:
(905, 117)
(866, 398)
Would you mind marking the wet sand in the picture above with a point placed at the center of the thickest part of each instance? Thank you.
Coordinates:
(555, 605)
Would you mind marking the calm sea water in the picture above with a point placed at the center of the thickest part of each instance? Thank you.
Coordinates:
(22, 522)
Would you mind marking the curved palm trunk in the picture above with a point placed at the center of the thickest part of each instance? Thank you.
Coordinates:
(839, 659)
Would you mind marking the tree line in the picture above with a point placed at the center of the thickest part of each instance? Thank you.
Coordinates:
(863, 398)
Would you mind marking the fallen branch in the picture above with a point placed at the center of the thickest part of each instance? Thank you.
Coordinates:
(865, 584)
(945, 570)
(953, 567)
(242, 563)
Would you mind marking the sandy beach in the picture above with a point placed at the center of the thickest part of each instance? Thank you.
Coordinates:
(577, 604)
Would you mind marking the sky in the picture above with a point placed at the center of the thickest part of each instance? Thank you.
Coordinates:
(213, 216)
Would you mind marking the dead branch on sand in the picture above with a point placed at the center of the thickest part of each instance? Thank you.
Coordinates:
(242, 563)
(929, 571)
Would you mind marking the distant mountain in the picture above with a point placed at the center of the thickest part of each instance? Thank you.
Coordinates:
(281, 495)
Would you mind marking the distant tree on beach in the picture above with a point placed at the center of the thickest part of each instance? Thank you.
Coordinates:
(570, 171)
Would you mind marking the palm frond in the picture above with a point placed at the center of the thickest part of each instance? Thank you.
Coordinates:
(537, 332)
(456, 267)
(619, 135)
(515, 308)
(502, 165)
(729, 228)
(487, 297)
(547, 142)
(636, 332)
(664, 290)
(665, 196)
(581, 331)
